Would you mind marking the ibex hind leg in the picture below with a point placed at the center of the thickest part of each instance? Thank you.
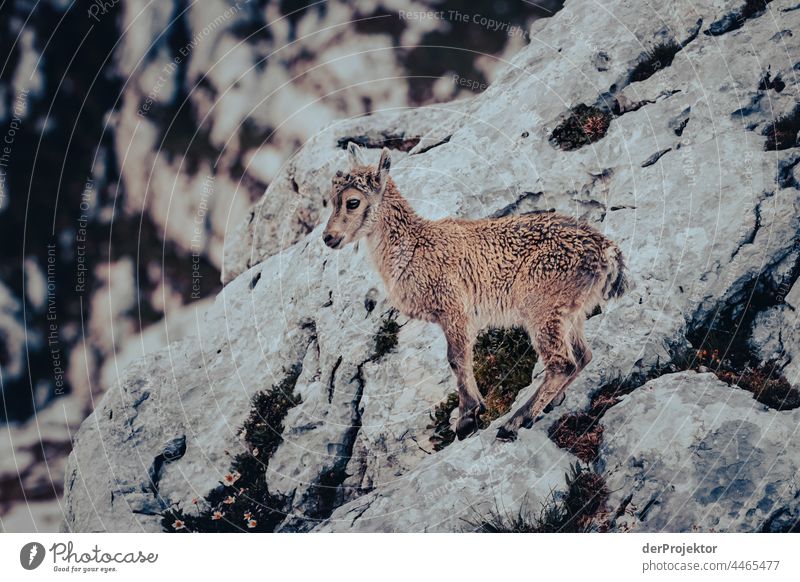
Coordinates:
(582, 354)
(554, 348)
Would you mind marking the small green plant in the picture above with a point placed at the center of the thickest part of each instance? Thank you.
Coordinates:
(575, 510)
(584, 124)
(242, 501)
(386, 338)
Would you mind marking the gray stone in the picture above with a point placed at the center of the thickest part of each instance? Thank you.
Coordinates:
(686, 452)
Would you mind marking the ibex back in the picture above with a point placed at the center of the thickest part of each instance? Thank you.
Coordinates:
(544, 272)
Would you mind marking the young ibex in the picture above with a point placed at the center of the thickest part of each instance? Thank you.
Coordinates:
(544, 272)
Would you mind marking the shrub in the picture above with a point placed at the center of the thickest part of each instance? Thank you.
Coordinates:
(386, 338)
(503, 365)
(503, 362)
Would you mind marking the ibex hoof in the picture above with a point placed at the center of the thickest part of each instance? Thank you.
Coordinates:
(468, 423)
(506, 435)
(466, 426)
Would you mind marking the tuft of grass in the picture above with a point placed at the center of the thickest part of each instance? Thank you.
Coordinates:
(579, 433)
(764, 381)
(386, 338)
(503, 361)
(575, 511)
(242, 501)
(783, 133)
(658, 57)
(584, 124)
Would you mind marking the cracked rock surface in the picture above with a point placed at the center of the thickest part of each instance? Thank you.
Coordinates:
(680, 179)
(685, 452)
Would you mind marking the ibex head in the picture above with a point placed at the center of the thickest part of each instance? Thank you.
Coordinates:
(355, 197)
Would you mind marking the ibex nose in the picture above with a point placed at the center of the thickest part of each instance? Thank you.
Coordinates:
(331, 240)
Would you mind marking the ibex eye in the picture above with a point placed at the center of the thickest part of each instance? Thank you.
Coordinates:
(353, 203)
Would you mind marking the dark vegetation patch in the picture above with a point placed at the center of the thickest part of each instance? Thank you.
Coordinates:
(658, 57)
(764, 380)
(721, 346)
(503, 361)
(576, 510)
(782, 133)
(503, 365)
(242, 501)
(386, 337)
(583, 125)
(393, 141)
(735, 19)
(443, 433)
(579, 433)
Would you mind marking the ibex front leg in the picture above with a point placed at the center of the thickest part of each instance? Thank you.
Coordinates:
(459, 355)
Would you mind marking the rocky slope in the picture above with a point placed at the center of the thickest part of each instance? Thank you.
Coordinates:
(143, 132)
(670, 134)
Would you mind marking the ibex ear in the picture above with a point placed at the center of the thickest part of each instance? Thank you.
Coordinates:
(354, 155)
(384, 164)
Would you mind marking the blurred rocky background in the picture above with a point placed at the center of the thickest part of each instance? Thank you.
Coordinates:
(137, 135)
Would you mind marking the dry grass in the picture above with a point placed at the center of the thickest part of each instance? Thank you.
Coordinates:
(764, 381)
(579, 433)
